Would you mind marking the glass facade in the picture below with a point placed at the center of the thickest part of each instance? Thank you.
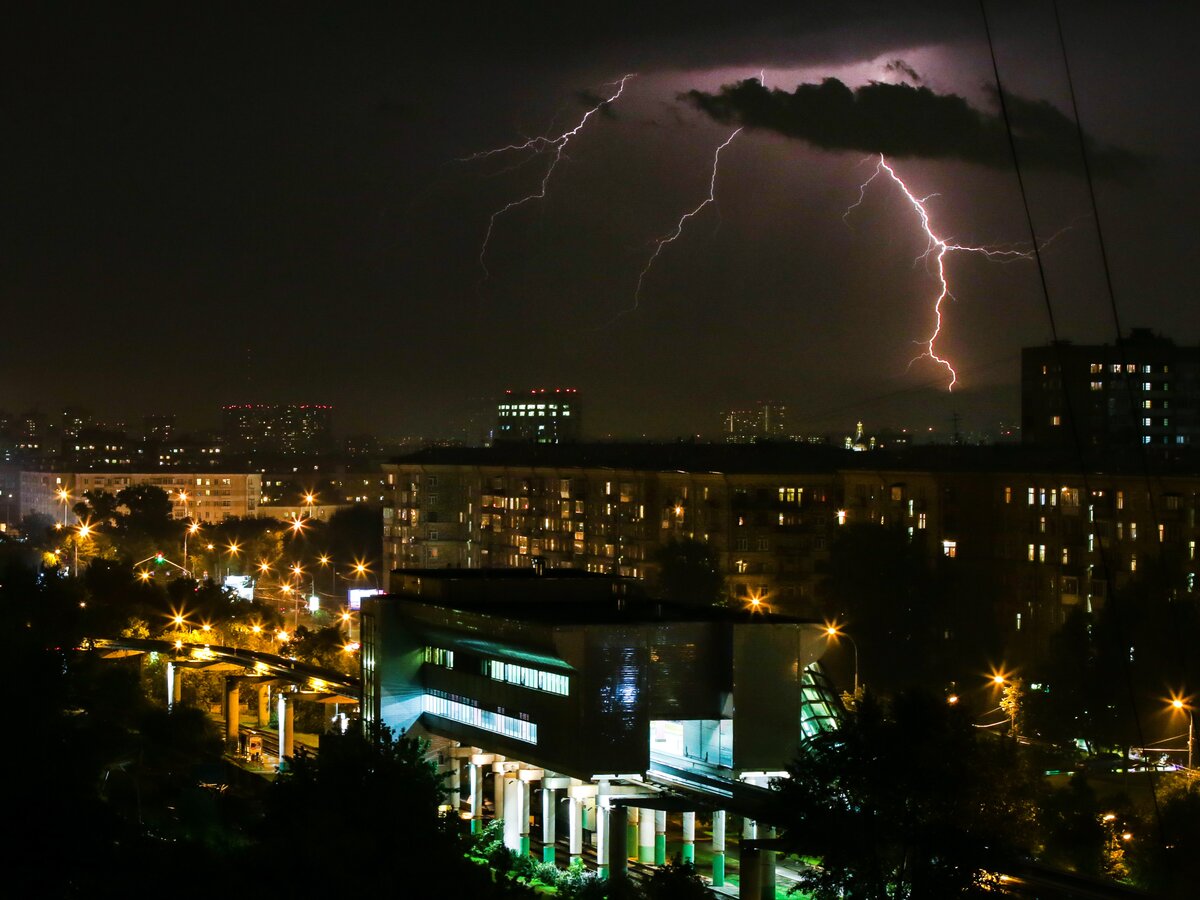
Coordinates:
(535, 679)
(498, 723)
(820, 709)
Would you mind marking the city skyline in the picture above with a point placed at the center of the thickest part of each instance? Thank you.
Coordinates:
(279, 211)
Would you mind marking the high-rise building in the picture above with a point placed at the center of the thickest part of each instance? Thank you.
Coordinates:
(75, 419)
(158, 428)
(766, 420)
(1144, 390)
(287, 429)
(539, 416)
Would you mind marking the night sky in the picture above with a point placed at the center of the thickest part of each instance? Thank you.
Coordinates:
(239, 204)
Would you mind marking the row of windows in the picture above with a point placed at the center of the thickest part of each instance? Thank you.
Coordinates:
(1115, 368)
(497, 723)
(535, 679)
(438, 656)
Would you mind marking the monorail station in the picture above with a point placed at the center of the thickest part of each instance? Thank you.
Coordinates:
(576, 702)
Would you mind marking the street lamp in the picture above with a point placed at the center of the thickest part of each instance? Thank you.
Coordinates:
(190, 530)
(83, 530)
(325, 560)
(64, 497)
(833, 632)
(1181, 704)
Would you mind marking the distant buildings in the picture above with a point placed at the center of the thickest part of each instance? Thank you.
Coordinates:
(1145, 390)
(202, 496)
(273, 428)
(1027, 534)
(538, 416)
(766, 420)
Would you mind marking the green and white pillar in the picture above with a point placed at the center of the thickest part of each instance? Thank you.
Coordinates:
(645, 835)
(575, 810)
(688, 853)
(618, 851)
(513, 799)
(718, 848)
(549, 825)
(603, 838)
(768, 864)
(660, 837)
(498, 809)
(526, 813)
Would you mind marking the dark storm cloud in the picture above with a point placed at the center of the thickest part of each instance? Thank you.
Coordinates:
(906, 121)
(900, 67)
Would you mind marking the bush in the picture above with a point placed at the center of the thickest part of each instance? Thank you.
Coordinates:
(546, 873)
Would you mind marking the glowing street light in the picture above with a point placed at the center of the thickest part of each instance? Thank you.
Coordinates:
(64, 497)
(193, 528)
(833, 632)
(1179, 703)
(82, 531)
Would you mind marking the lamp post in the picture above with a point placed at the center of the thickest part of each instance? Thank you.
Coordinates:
(297, 572)
(833, 632)
(190, 530)
(325, 560)
(1179, 704)
(64, 497)
(82, 532)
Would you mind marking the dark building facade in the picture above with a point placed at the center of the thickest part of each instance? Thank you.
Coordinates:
(1142, 391)
(286, 429)
(539, 416)
(1024, 536)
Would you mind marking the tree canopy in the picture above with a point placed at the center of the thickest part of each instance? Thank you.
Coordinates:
(906, 800)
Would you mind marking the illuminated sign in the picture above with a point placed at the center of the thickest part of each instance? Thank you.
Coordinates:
(354, 596)
(241, 585)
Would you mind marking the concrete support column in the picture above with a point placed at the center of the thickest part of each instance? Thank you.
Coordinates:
(645, 836)
(475, 771)
(549, 829)
(688, 853)
(526, 812)
(454, 785)
(618, 851)
(749, 829)
(660, 837)
(718, 848)
(768, 865)
(174, 685)
(498, 788)
(287, 734)
(233, 709)
(512, 793)
(575, 810)
(264, 705)
(603, 838)
(750, 873)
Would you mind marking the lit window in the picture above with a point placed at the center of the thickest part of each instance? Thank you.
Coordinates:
(950, 549)
(1056, 420)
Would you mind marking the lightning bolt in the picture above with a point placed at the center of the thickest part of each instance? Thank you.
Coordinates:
(540, 144)
(711, 199)
(674, 235)
(937, 249)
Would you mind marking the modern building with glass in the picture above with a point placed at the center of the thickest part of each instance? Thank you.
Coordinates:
(605, 700)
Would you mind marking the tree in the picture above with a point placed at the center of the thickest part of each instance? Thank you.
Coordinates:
(100, 507)
(149, 510)
(371, 800)
(882, 587)
(905, 800)
(689, 573)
